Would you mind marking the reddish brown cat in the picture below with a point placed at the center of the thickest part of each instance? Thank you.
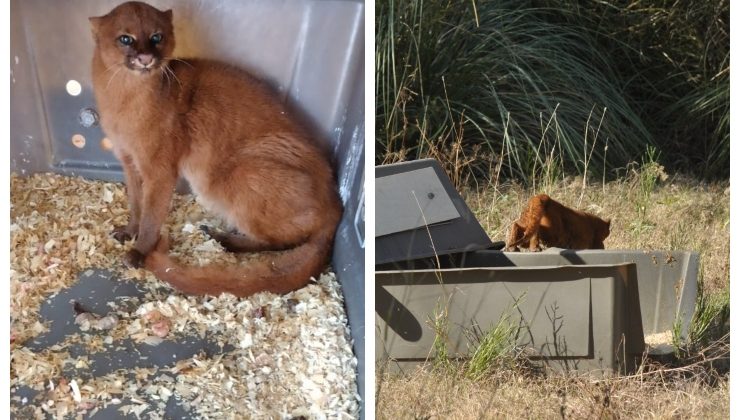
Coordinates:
(549, 223)
(235, 143)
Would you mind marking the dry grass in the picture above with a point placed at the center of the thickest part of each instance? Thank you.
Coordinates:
(509, 394)
(667, 213)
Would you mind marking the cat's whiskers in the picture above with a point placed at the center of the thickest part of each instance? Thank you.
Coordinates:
(169, 72)
(182, 61)
(164, 74)
(174, 76)
(107, 69)
(112, 76)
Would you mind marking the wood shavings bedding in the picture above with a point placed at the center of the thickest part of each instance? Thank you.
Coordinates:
(285, 356)
(660, 342)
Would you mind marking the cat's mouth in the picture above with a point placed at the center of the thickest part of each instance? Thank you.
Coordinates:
(142, 64)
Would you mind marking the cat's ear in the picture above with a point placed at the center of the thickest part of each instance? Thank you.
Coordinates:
(168, 14)
(95, 25)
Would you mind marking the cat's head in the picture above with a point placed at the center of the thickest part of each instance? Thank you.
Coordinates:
(136, 36)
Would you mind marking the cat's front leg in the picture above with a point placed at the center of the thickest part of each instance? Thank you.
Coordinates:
(133, 193)
(515, 236)
(534, 242)
(157, 189)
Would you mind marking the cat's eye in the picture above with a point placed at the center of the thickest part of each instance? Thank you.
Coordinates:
(156, 39)
(126, 40)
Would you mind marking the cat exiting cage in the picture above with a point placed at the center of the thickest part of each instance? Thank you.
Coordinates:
(230, 137)
(545, 222)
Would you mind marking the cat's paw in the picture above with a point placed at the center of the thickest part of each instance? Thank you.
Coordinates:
(122, 234)
(134, 259)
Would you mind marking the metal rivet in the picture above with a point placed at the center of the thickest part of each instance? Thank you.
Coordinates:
(88, 117)
(74, 87)
(78, 140)
(106, 144)
(430, 195)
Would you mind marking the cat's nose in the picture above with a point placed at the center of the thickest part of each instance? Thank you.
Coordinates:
(145, 59)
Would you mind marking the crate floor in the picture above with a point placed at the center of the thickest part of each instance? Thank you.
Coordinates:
(159, 353)
(94, 290)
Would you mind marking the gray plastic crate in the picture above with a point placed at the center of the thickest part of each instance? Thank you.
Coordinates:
(666, 280)
(583, 318)
(416, 203)
(311, 51)
(661, 286)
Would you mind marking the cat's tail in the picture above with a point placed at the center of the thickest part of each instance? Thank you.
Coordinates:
(277, 272)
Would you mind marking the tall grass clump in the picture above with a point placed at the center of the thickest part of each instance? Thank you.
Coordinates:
(492, 349)
(711, 320)
(440, 324)
(674, 59)
(709, 327)
(514, 87)
(644, 180)
(523, 85)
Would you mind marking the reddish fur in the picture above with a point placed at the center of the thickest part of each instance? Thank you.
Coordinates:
(279, 272)
(549, 223)
(231, 138)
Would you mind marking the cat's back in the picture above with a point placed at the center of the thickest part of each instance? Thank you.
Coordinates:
(228, 106)
(218, 79)
(217, 92)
